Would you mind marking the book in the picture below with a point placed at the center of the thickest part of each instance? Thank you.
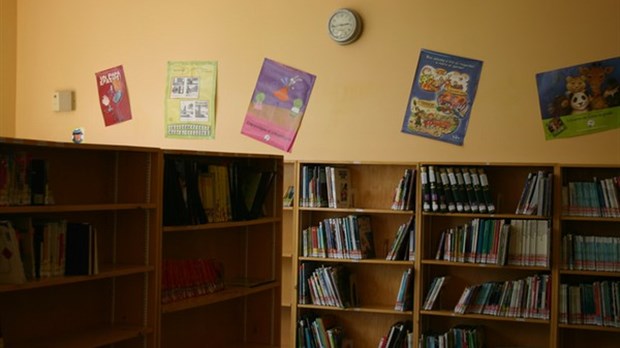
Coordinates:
(404, 298)
(341, 187)
(113, 95)
(426, 189)
(469, 190)
(367, 242)
(477, 188)
(11, 265)
(433, 292)
(486, 191)
(447, 190)
(81, 257)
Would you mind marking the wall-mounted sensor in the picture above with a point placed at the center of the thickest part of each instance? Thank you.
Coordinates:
(62, 101)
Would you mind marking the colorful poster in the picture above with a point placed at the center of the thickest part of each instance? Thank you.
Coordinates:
(113, 95)
(278, 104)
(580, 99)
(442, 95)
(190, 100)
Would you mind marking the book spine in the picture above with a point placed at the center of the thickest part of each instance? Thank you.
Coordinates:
(469, 189)
(447, 190)
(432, 179)
(475, 182)
(486, 190)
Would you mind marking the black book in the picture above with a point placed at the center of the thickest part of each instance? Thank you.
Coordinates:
(175, 207)
(38, 181)
(78, 248)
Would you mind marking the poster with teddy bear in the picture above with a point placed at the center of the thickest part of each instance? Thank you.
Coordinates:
(580, 99)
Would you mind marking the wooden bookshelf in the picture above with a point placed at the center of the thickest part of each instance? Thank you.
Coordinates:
(246, 246)
(505, 183)
(115, 189)
(598, 228)
(372, 189)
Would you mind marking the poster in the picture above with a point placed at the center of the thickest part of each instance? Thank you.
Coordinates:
(278, 104)
(441, 97)
(113, 95)
(580, 99)
(190, 100)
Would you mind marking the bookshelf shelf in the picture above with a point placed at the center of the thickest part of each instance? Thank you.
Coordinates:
(98, 337)
(445, 313)
(590, 328)
(106, 271)
(484, 265)
(376, 309)
(610, 274)
(75, 208)
(221, 296)
(354, 261)
(221, 225)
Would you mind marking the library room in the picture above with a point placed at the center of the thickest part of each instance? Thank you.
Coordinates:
(295, 174)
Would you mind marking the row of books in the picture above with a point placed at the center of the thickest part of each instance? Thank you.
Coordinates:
(23, 180)
(497, 241)
(348, 237)
(315, 331)
(199, 193)
(40, 249)
(400, 335)
(528, 297)
(457, 337)
(590, 253)
(404, 299)
(325, 186)
(403, 244)
(455, 189)
(188, 278)
(537, 194)
(404, 193)
(598, 198)
(326, 286)
(596, 303)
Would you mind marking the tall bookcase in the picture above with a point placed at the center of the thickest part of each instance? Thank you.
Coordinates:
(462, 269)
(587, 255)
(371, 188)
(248, 246)
(115, 190)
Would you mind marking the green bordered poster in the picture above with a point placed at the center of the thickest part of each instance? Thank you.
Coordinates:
(190, 100)
(581, 99)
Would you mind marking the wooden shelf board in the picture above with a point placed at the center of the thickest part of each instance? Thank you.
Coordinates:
(228, 293)
(590, 273)
(489, 216)
(219, 225)
(106, 271)
(589, 327)
(365, 309)
(359, 210)
(483, 265)
(67, 208)
(446, 313)
(94, 337)
(364, 261)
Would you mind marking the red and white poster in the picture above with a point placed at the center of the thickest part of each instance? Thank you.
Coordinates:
(113, 95)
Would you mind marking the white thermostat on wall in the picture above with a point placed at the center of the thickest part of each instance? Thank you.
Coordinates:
(62, 101)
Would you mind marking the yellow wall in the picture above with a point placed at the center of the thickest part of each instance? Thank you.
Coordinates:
(359, 99)
(8, 37)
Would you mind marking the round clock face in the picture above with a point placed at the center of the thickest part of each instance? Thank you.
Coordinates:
(344, 26)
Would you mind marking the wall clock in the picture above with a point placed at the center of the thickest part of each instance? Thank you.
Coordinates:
(344, 26)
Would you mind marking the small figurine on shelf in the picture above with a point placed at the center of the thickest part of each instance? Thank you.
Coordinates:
(78, 135)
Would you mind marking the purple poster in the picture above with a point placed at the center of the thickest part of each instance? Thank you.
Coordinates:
(441, 97)
(278, 104)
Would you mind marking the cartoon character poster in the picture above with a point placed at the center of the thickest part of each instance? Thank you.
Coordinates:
(190, 100)
(278, 104)
(113, 95)
(441, 97)
(580, 99)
